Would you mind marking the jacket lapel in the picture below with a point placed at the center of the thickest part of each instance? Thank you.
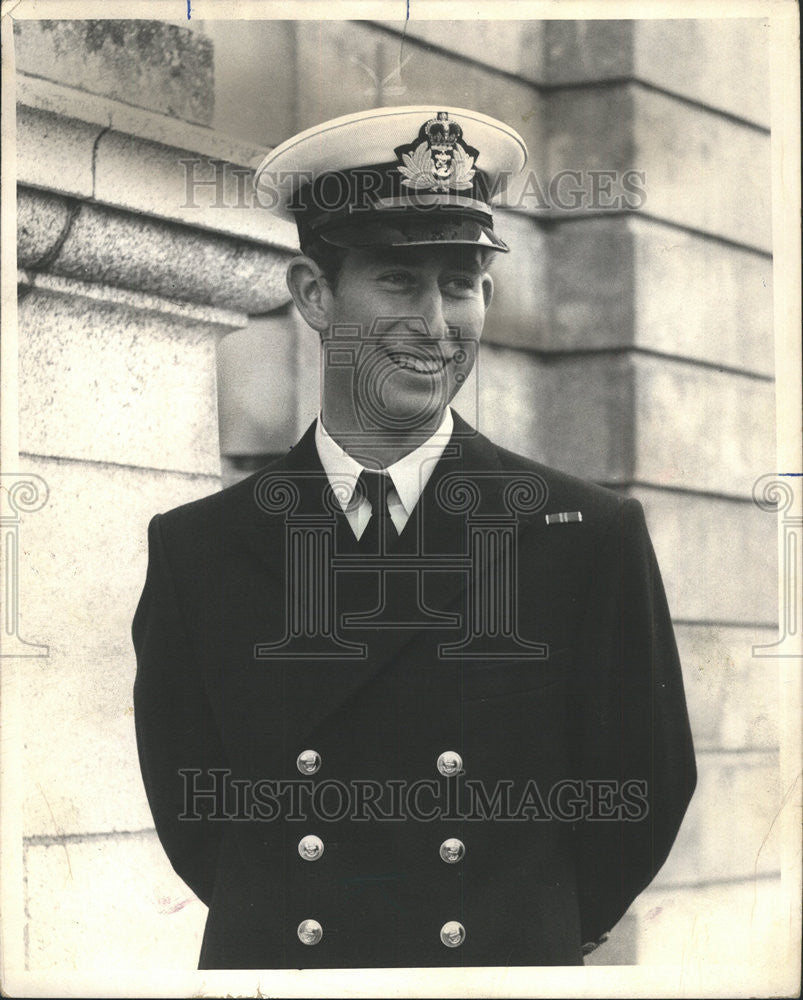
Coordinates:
(295, 489)
(417, 592)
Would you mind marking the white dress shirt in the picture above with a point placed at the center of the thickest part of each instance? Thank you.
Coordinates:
(408, 476)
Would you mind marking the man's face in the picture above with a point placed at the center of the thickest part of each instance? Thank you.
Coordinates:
(417, 315)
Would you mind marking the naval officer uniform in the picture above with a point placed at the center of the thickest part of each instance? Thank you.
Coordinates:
(431, 715)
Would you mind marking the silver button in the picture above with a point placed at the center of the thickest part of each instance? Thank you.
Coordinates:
(310, 848)
(453, 934)
(452, 850)
(311, 932)
(450, 762)
(308, 761)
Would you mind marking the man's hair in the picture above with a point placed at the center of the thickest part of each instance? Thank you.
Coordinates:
(330, 258)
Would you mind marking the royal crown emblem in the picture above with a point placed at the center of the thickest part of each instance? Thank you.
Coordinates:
(439, 160)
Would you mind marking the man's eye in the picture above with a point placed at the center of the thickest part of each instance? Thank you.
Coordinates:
(460, 286)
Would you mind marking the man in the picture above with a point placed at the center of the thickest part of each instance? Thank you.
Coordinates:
(405, 698)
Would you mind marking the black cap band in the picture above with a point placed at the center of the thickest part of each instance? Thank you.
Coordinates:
(372, 205)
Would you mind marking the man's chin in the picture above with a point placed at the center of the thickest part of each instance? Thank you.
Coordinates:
(398, 418)
(405, 400)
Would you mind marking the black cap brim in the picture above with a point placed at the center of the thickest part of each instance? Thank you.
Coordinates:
(413, 231)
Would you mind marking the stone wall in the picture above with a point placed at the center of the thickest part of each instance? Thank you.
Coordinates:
(125, 290)
(630, 347)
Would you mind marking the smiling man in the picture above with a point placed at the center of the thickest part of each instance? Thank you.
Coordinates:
(405, 698)
(419, 312)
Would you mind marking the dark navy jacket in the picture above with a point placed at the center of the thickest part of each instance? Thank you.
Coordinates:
(538, 647)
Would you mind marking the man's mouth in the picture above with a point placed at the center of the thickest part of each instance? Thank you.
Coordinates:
(415, 363)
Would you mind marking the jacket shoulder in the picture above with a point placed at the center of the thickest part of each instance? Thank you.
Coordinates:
(207, 513)
(565, 492)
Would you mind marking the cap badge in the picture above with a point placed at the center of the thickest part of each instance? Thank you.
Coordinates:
(439, 160)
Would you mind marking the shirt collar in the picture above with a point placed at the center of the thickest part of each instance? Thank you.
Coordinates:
(409, 475)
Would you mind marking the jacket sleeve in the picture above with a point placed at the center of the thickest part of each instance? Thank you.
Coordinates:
(629, 724)
(176, 732)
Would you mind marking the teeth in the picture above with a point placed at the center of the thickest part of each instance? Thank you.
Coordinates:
(424, 366)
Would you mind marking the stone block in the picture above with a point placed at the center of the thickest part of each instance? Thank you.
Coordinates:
(55, 153)
(42, 218)
(255, 93)
(732, 696)
(718, 557)
(700, 299)
(152, 64)
(82, 569)
(589, 129)
(701, 429)
(585, 418)
(94, 783)
(590, 280)
(147, 255)
(66, 102)
(109, 382)
(202, 184)
(353, 51)
(574, 414)
(257, 378)
(729, 831)
(519, 313)
(195, 189)
(703, 170)
(111, 906)
(616, 418)
(731, 938)
(587, 51)
(721, 62)
(620, 282)
(517, 47)
(269, 379)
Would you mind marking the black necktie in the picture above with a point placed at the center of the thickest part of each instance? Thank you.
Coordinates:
(374, 487)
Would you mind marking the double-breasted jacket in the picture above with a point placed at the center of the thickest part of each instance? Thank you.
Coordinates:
(470, 749)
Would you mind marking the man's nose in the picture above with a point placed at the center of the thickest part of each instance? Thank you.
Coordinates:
(432, 311)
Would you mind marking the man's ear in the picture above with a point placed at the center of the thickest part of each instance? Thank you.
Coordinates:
(487, 289)
(311, 292)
